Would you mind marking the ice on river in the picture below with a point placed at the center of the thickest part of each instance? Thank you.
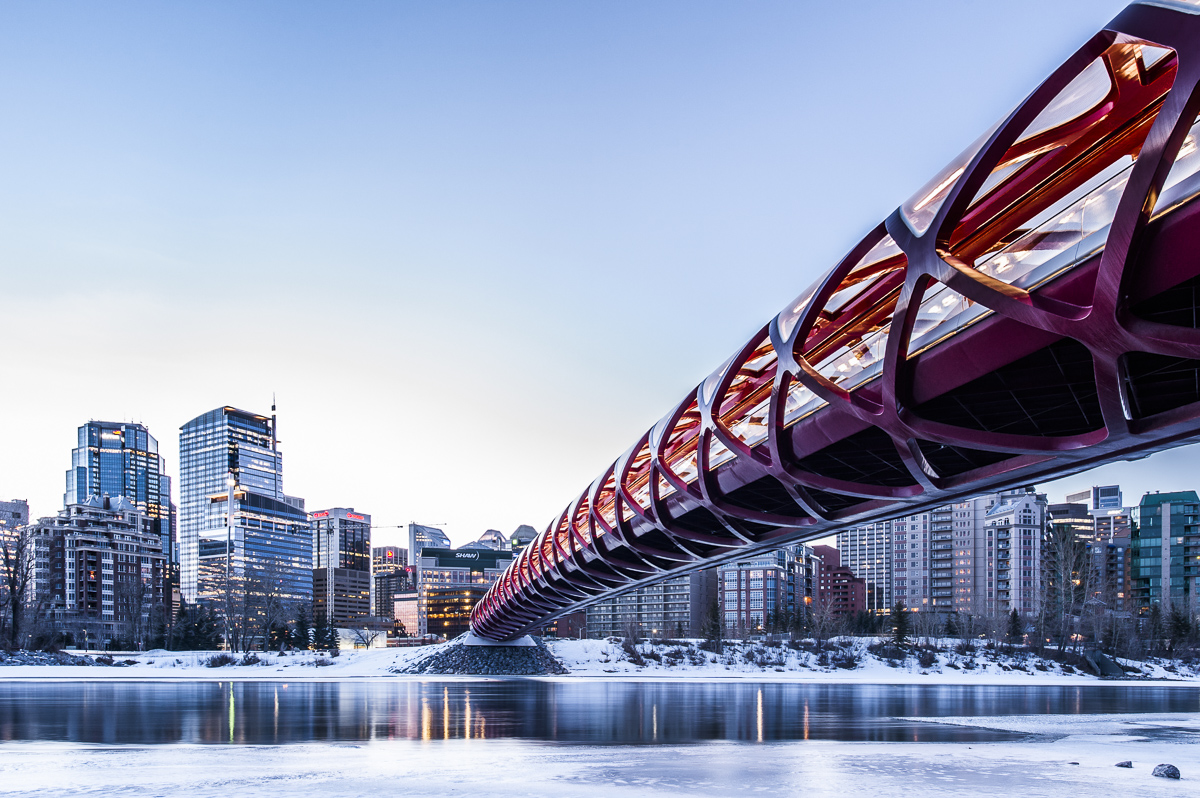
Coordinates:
(1041, 766)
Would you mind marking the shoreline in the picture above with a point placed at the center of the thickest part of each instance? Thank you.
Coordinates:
(378, 666)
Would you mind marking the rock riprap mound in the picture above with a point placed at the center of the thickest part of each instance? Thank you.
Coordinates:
(468, 655)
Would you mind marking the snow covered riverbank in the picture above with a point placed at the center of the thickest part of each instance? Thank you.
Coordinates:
(852, 660)
(848, 660)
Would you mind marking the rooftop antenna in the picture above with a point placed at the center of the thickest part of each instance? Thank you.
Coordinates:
(274, 447)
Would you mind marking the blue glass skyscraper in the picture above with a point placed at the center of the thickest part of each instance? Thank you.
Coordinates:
(121, 459)
(267, 549)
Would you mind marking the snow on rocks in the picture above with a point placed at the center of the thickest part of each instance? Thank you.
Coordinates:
(47, 658)
(458, 657)
(1166, 771)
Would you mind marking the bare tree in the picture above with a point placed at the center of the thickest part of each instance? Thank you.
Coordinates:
(266, 605)
(926, 626)
(823, 619)
(17, 562)
(366, 636)
(1066, 581)
(131, 605)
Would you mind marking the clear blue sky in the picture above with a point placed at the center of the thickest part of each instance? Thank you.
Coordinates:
(475, 248)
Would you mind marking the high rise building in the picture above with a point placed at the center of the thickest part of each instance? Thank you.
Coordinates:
(1166, 551)
(757, 594)
(491, 539)
(867, 551)
(341, 558)
(911, 545)
(99, 571)
(941, 559)
(389, 567)
(420, 537)
(1008, 553)
(975, 556)
(13, 516)
(238, 531)
(985, 553)
(1107, 497)
(521, 537)
(451, 583)
(839, 591)
(671, 608)
(121, 459)
(1088, 547)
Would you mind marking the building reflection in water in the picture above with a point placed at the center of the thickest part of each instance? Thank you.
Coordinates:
(565, 712)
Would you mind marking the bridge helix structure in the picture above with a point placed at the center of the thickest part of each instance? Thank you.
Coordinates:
(1033, 311)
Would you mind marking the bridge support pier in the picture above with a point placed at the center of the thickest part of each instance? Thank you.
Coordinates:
(470, 654)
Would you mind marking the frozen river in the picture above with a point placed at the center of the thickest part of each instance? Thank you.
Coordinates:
(606, 713)
(585, 738)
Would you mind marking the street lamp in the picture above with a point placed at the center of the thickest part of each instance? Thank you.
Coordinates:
(231, 485)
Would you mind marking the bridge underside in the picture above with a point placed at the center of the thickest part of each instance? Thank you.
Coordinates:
(1031, 312)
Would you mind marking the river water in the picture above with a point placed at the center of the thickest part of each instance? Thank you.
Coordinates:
(589, 712)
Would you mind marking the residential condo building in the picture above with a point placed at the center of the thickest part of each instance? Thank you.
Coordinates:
(1166, 551)
(99, 571)
(867, 551)
(757, 594)
(675, 607)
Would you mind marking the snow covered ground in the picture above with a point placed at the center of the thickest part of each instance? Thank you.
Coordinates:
(1080, 762)
(607, 659)
(297, 666)
(603, 659)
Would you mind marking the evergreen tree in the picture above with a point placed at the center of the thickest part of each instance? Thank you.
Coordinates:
(196, 628)
(206, 630)
(325, 636)
(951, 625)
(302, 630)
(1179, 627)
(320, 630)
(161, 636)
(901, 624)
(332, 642)
(800, 622)
(1155, 627)
(278, 636)
(1014, 628)
(713, 628)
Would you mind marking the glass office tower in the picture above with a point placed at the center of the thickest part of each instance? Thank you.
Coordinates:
(268, 545)
(1166, 546)
(342, 588)
(121, 459)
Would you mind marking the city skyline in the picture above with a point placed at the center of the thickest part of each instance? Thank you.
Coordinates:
(393, 205)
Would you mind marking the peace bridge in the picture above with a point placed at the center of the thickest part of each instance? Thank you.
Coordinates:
(1033, 311)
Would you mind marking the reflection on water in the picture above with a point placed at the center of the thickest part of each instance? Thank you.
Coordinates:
(568, 712)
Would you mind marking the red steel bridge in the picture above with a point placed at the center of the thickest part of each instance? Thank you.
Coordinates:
(1032, 311)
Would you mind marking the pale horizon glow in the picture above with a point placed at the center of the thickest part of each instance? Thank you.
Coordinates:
(474, 250)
